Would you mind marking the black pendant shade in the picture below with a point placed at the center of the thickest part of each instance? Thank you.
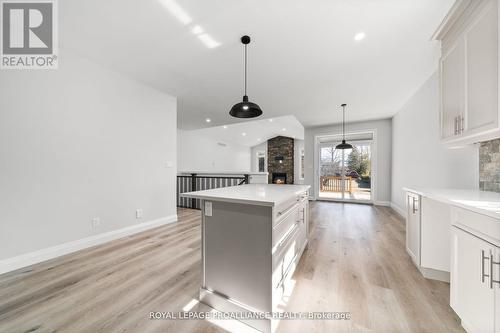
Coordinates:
(245, 109)
(343, 145)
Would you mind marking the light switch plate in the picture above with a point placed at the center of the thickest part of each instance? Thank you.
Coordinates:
(208, 208)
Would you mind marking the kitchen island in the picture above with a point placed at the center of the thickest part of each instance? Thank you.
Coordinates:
(252, 239)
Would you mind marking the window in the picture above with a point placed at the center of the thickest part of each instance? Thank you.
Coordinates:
(302, 163)
(261, 162)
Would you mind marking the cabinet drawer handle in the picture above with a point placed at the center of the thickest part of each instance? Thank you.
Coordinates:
(415, 209)
(289, 235)
(492, 276)
(483, 274)
(286, 210)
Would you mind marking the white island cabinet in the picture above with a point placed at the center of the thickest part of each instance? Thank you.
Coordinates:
(252, 239)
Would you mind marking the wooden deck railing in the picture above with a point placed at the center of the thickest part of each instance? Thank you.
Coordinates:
(334, 184)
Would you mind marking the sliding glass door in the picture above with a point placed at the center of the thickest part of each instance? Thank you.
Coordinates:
(345, 174)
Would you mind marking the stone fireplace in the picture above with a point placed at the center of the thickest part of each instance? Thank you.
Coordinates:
(280, 163)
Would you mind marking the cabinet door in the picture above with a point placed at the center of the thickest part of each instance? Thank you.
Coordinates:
(496, 275)
(482, 71)
(303, 221)
(435, 224)
(452, 88)
(470, 294)
(413, 227)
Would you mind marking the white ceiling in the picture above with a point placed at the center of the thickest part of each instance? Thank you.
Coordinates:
(303, 59)
(253, 133)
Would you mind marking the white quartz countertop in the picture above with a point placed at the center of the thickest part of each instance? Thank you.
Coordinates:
(224, 173)
(253, 194)
(481, 202)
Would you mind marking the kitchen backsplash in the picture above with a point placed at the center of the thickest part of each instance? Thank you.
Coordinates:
(489, 166)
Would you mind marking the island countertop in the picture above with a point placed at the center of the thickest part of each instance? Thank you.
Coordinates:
(254, 194)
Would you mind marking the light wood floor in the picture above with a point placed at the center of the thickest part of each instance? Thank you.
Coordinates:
(356, 262)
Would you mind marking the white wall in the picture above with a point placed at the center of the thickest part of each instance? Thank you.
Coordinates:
(199, 152)
(262, 148)
(81, 142)
(418, 159)
(382, 149)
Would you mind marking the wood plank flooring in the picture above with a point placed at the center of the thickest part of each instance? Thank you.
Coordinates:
(356, 262)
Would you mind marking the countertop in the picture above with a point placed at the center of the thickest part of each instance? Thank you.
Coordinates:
(253, 194)
(201, 173)
(481, 202)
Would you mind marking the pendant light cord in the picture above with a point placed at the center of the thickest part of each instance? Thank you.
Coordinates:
(343, 123)
(245, 69)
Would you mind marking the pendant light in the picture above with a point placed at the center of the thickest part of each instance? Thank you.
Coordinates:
(343, 145)
(245, 109)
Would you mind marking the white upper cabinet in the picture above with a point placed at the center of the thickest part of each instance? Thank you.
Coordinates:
(453, 89)
(469, 73)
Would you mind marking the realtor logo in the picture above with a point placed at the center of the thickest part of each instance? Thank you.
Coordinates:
(29, 34)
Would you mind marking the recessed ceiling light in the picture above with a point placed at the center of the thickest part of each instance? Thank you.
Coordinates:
(208, 120)
(224, 127)
(359, 36)
(208, 41)
(271, 120)
(258, 139)
(244, 134)
(197, 30)
(176, 10)
(284, 129)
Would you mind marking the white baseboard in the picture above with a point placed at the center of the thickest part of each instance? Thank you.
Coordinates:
(382, 203)
(435, 274)
(11, 264)
(398, 209)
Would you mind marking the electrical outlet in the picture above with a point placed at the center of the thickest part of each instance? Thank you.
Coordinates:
(138, 213)
(208, 208)
(96, 222)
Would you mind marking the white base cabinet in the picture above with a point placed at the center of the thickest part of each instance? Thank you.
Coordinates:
(472, 290)
(428, 236)
(475, 270)
(413, 226)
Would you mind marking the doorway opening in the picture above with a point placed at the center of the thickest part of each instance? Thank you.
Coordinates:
(345, 175)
